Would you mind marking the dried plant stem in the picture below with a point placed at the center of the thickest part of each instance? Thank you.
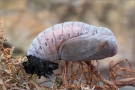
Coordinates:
(35, 84)
(125, 82)
(3, 85)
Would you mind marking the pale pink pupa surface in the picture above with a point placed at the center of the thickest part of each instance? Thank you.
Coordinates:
(74, 41)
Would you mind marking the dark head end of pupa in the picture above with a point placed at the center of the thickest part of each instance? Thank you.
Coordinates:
(39, 66)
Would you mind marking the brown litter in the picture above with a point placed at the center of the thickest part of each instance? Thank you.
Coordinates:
(85, 77)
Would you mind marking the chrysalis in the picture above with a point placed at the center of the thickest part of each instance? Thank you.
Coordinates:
(69, 41)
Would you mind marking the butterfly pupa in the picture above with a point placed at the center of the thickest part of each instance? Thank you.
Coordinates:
(69, 41)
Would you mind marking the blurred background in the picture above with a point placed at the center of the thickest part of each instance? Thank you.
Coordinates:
(24, 19)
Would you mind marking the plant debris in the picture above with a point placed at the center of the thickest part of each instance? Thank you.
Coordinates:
(86, 76)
